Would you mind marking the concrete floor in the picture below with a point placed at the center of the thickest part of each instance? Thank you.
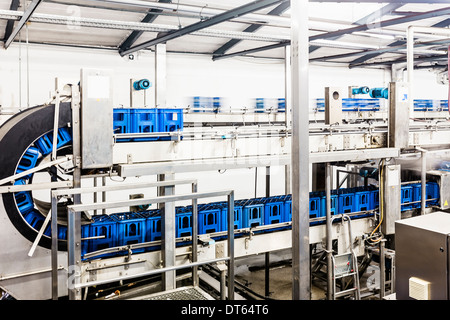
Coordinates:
(251, 271)
(280, 284)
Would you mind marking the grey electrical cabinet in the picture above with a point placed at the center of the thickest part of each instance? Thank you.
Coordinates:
(422, 257)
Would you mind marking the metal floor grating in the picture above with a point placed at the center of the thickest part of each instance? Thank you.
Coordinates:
(183, 293)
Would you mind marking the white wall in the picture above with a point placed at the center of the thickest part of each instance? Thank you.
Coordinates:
(239, 80)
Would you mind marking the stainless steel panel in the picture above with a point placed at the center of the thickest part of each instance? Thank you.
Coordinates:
(391, 199)
(333, 105)
(421, 248)
(398, 115)
(96, 119)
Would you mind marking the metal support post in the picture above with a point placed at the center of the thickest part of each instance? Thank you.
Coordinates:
(54, 226)
(301, 264)
(74, 254)
(195, 281)
(160, 75)
(423, 180)
(267, 254)
(230, 244)
(287, 112)
(74, 220)
(382, 270)
(168, 236)
(329, 246)
(223, 281)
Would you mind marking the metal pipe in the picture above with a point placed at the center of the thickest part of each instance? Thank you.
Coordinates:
(382, 270)
(223, 284)
(78, 286)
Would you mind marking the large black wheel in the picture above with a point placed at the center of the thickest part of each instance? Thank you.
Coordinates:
(19, 149)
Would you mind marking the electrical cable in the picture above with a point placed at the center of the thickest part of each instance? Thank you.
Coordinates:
(381, 170)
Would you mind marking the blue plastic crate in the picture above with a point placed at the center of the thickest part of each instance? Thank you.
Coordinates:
(288, 208)
(253, 213)
(183, 223)
(106, 227)
(24, 201)
(130, 229)
(28, 161)
(45, 143)
(144, 120)
(122, 121)
(314, 206)
(375, 198)
(363, 201)
(153, 228)
(238, 217)
(209, 219)
(333, 207)
(346, 202)
(406, 197)
(259, 105)
(170, 120)
(281, 105)
(416, 194)
(432, 193)
(84, 235)
(273, 210)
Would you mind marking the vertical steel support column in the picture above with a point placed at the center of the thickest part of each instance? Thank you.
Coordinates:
(267, 254)
(423, 180)
(74, 219)
(287, 112)
(74, 253)
(168, 237)
(410, 69)
(231, 246)
(160, 75)
(301, 265)
(328, 232)
(54, 226)
(195, 281)
(382, 270)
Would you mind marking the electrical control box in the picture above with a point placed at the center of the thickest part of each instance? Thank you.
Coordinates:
(422, 257)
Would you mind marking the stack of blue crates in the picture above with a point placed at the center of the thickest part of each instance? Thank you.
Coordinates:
(352, 104)
(146, 120)
(129, 228)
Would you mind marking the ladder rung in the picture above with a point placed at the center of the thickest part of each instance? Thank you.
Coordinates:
(345, 275)
(344, 292)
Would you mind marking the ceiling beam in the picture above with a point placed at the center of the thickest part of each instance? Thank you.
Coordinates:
(442, 24)
(149, 18)
(249, 51)
(369, 18)
(380, 51)
(383, 24)
(26, 15)
(231, 14)
(10, 24)
(279, 10)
